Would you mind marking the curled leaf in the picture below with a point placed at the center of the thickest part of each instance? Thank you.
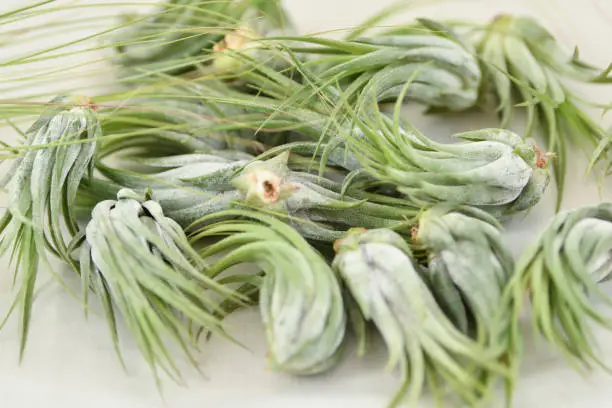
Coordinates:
(377, 267)
(560, 271)
(141, 267)
(300, 299)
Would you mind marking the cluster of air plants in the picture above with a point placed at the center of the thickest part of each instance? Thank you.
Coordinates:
(229, 139)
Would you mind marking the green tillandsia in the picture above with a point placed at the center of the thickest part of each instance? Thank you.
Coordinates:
(300, 298)
(188, 186)
(176, 171)
(197, 185)
(271, 185)
(468, 268)
(42, 185)
(445, 72)
(141, 267)
(560, 272)
(175, 38)
(525, 66)
(492, 168)
(378, 268)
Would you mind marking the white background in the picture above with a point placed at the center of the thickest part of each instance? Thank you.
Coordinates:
(70, 361)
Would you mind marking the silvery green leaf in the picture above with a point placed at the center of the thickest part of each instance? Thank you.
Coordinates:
(529, 197)
(207, 172)
(522, 60)
(42, 187)
(470, 253)
(165, 41)
(197, 187)
(446, 293)
(441, 68)
(593, 237)
(188, 207)
(493, 167)
(528, 67)
(300, 300)
(182, 160)
(560, 271)
(141, 266)
(376, 266)
(409, 41)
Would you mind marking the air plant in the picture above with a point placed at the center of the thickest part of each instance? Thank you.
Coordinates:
(467, 265)
(469, 270)
(560, 271)
(498, 169)
(193, 186)
(42, 186)
(141, 267)
(378, 268)
(177, 38)
(493, 168)
(444, 70)
(300, 299)
(525, 66)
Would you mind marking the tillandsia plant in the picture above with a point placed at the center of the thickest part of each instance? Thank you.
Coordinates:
(42, 185)
(142, 268)
(493, 168)
(176, 38)
(444, 71)
(525, 66)
(560, 271)
(272, 185)
(378, 268)
(300, 298)
(196, 185)
(468, 268)
(187, 186)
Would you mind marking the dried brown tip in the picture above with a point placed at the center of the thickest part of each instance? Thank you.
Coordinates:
(542, 158)
(268, 188)
(220, 46)
(85, 101)
(238, 38)
(352, 231)
(414, 232)
(267, 185)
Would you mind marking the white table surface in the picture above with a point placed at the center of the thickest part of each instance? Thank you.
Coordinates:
(70, 361)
